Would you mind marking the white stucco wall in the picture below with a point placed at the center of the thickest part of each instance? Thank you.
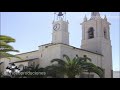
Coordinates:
(48, 53)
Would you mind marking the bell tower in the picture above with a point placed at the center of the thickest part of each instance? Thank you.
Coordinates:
(96, 38)
(60, 28)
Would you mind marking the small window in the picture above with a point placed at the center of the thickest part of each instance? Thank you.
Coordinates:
(90, 33)
(105, 33)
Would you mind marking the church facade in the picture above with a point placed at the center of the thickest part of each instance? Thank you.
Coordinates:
(96, 44)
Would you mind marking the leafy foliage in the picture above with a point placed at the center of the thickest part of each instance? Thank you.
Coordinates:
(67, 67)
(31, 70)
(73, 67)
(5, 47)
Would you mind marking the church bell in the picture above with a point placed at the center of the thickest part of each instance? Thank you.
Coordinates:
(60, 14)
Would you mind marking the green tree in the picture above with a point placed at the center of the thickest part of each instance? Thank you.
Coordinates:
(68, 67)
(73, 67)
(5, 48)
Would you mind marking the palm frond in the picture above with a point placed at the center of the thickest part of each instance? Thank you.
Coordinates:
(8, 50)
(90, 67)
(6, 39)
(67, 58)
(61, 62)
(5, 45)
(85, 58)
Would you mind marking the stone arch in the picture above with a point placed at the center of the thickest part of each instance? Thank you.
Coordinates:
(90, 33)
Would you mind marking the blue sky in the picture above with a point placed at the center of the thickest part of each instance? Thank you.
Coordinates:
(32, 29)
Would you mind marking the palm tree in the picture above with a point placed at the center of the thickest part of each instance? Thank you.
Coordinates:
(5, 47)
(76, 66)
(68, 67)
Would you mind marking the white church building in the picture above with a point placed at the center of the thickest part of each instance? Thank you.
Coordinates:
(95, 43)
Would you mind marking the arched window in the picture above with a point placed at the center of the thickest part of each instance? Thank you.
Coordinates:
(90, 33)
(105, 33)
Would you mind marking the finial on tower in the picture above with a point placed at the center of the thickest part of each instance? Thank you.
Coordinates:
(95, 15)
(85, 18)
(105, 18)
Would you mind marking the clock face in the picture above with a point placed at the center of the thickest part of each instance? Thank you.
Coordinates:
(56, 26)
